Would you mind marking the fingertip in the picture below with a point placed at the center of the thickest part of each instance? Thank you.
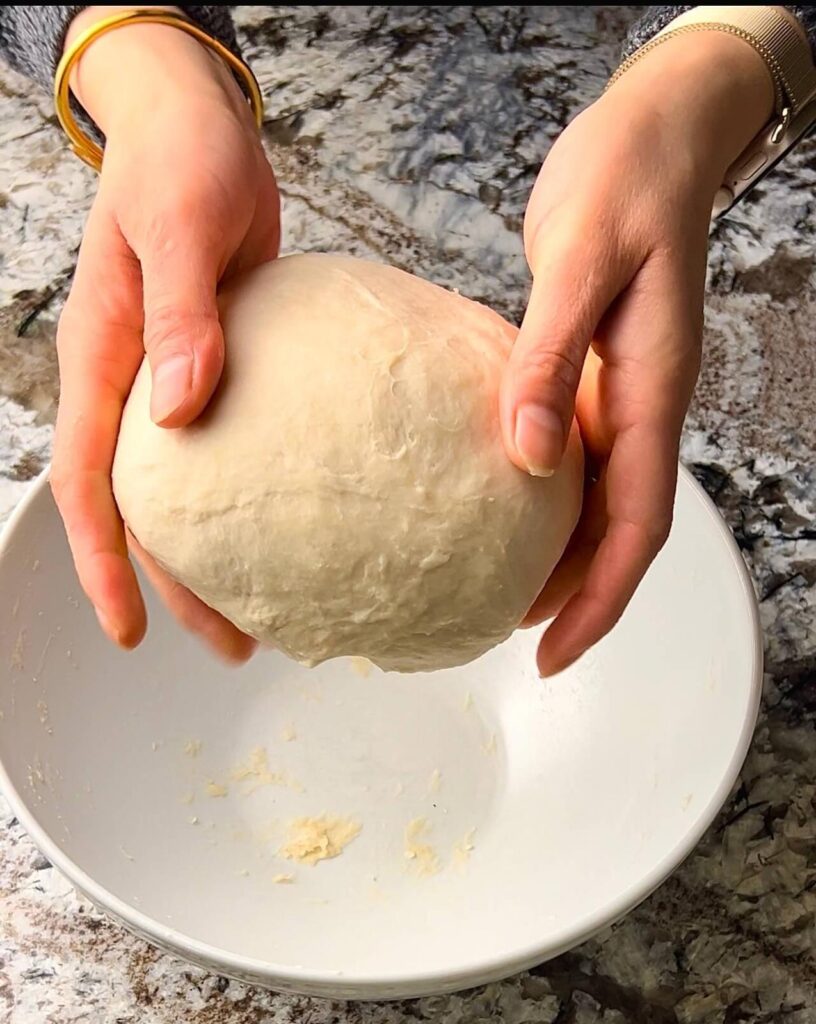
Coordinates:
(239, 652)
(126, 631)
(183, 383)
(133, 632)
(538, 438)
(171, 389)
(551, 663)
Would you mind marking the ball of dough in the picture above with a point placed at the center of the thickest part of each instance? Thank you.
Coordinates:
(347, 492)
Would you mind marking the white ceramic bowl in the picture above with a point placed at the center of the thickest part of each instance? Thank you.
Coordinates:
(579, 794)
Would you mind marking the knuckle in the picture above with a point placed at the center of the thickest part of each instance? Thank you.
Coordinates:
(657, 532)
(61, 481)
(556, 370)
(175, 224)
(67, 325)
(162, 228)
(171, 328)
(57, 481)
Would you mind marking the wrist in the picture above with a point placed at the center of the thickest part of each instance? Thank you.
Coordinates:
(710, 90)
(133, 71)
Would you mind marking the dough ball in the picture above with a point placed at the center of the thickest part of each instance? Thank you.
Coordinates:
(347, 492)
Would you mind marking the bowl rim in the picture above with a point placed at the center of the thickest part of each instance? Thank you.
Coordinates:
(456, 974)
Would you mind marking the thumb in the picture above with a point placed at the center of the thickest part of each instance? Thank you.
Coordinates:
(182, 334)
(574, 283)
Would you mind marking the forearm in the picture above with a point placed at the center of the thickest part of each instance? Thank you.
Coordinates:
(32, 38)
(657, 18)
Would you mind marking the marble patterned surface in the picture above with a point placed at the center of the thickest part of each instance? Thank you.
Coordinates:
(414, 134)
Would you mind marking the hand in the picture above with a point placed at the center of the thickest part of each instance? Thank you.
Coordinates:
(186, 198)
(616, 235)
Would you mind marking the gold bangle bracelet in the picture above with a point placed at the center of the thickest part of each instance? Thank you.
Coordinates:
(84, 147)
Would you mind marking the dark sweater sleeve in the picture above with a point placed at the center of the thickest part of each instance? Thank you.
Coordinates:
(655, 19)
(32, 38)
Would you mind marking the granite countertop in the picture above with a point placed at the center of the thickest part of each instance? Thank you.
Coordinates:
(414, 134)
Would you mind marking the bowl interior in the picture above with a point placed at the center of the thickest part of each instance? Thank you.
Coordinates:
(502, 817)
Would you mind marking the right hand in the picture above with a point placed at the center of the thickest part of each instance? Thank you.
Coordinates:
(186, 198)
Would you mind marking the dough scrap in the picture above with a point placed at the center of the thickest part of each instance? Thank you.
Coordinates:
(463, 849)
(256, 770)
(314, 839)
(422, 855)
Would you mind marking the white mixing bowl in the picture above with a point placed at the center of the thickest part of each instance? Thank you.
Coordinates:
(547, 809)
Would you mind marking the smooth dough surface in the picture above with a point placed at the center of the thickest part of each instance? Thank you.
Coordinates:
(347, 491)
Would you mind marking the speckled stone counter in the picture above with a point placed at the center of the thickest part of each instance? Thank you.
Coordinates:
(414, 134)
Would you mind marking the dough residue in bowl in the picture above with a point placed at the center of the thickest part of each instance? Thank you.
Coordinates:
(463, 849)
(313, 839)
(421, 854)
(256, 770)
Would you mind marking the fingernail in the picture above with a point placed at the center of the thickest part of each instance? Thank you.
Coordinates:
(539, 439)
(107, 626)
(172, 381)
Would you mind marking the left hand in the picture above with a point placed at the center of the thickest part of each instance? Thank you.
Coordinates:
(616, 236)
(186, 199)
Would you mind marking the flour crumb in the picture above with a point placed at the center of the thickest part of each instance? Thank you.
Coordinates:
(188, 798)
(463, 849)
(192, 748)
(399, 789)
(244, 873)
(283, 879)
(467, 703)
(489, 746)
(42, 714)
(288, 734)
(435, 781)
(43, 656)
(125, 854)
(421, 854)
(362, 666)
(154, 746)
(686, 801)
(313, 696)
(256, 770)
(194, 820)
(314, 839)
(35, 565)
(18, 653)
(215, 789)
(36, 775)
(15, 608)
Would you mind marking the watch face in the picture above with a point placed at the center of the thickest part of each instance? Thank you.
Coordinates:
(761, 157)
